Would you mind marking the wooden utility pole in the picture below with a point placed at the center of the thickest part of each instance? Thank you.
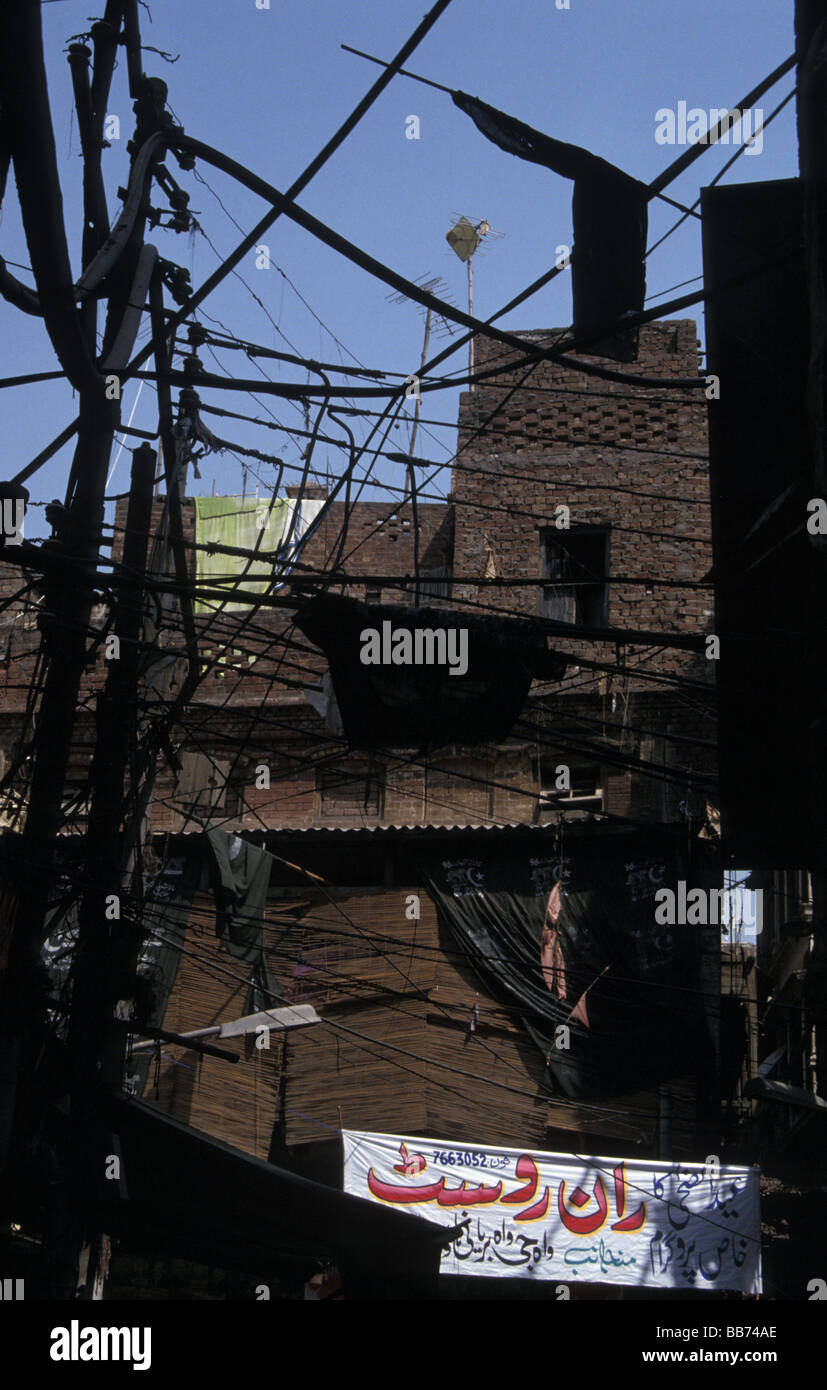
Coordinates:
(108, 943)
(66, 609)
(107, 951)
(70, 317)
(65, 621)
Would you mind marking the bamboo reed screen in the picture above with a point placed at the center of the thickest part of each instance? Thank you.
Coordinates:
(409, 1042)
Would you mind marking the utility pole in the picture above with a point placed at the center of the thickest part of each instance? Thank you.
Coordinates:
(108, 945)
(106, 957)
(67, 607)
(71, 320)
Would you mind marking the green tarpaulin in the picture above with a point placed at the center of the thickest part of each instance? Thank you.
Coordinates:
(246, 524)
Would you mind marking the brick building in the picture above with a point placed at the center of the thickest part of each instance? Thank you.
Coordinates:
(629, 464)
(632, 722)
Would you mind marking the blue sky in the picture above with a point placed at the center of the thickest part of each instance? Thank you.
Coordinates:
(270, 86)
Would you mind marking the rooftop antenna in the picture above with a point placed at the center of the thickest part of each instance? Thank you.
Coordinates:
(433, 284)
(464, 238)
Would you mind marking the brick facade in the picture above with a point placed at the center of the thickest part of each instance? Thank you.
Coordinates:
(632, 462)
(628, 460)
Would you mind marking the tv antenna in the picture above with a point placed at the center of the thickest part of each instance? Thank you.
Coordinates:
(464, 239)
(432, 284)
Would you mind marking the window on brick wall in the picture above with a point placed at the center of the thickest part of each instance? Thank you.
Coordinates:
(373, 593)
(585, 789)
(435, 583)
(576, 564)
(350, 789)
(202, 782)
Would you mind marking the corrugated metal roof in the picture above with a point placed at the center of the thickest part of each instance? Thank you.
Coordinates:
(384, 828)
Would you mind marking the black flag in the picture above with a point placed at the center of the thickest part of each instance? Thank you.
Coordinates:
(610, 216)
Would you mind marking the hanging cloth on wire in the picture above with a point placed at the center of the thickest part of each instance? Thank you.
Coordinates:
(241, 878)
(565, 932)
(610, 216)
(394, 704)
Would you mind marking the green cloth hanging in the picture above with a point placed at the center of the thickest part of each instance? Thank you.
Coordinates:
(238, 522)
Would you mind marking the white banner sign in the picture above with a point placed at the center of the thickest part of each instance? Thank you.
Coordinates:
(576, 1220)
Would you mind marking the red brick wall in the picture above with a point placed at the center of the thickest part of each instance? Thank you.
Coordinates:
(629, 458)
(625, 457)
(633, 460)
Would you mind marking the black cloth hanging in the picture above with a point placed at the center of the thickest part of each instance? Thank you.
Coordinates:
(240, 885)
(424, 706)
(610, 217)
(627, 987)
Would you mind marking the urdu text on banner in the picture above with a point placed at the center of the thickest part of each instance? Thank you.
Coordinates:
(657, 1225)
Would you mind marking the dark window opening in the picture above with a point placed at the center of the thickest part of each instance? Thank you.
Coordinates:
(435, 583)
(585, 789)
(576, 564)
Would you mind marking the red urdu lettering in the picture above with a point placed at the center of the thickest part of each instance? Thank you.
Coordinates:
(538, 1211)
(636, 1219)
(526, 1168)
(465, 1196)
(389, 1192)
(411, 1163)
(583, 1225)
(633, 1222)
